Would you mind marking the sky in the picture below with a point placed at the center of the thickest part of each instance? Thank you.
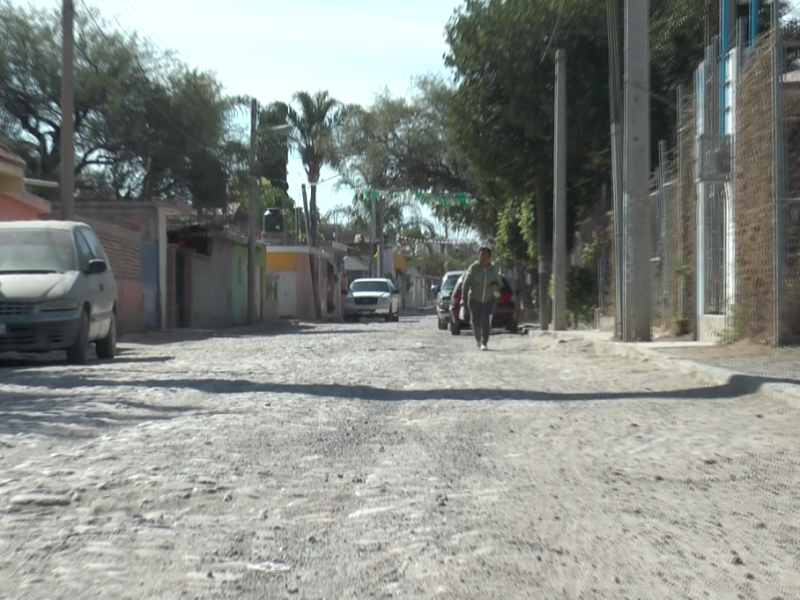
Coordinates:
(270, 49)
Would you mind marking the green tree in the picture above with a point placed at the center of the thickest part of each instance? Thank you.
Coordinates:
(146, 125)
(317, 120)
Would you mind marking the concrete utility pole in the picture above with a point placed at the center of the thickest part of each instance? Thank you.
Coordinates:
(638, 301)
(252, 220)
(560, 197)
(67, 110)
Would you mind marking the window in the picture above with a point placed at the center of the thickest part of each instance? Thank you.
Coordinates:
(449, 284)
(94, 243)
(85, 253)
(36, 250)
(371, 285)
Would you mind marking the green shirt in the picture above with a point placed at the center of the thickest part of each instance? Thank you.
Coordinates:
(479, 283)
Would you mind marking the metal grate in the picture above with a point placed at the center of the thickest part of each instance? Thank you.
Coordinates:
(15, 309)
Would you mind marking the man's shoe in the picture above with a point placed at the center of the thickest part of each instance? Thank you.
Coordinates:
(484, 347)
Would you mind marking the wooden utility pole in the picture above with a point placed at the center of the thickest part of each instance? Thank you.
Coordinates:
(67, 111)
(637, 282)
(252, 220)
(560, 196)
(541, 240)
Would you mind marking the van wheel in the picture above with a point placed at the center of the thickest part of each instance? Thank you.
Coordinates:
(107, 347)
(77, 353)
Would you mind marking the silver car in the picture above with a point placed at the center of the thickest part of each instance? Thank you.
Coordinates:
(373, 298)
(57, 291)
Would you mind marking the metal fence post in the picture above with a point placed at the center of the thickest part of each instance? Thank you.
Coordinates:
(778, 170)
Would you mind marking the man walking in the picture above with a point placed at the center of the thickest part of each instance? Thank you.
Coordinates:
(480, 291)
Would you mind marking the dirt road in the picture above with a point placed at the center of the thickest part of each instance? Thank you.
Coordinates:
(390, 461)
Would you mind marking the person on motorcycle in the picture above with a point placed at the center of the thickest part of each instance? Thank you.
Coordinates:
(479, 291)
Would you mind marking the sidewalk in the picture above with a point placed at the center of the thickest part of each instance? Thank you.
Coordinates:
(747, 368)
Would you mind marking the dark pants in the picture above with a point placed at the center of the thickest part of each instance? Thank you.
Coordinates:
(481, 314)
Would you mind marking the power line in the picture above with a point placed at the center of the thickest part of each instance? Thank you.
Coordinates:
(143, 71)
(382, 13)
(555, 30)
(251, 50)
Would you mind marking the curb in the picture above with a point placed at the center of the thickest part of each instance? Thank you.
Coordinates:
(738, 383)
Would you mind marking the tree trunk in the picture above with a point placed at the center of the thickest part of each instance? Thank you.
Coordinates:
(312, 244)
(544, 256)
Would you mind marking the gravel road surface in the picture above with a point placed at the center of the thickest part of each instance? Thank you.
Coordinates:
(390, 460)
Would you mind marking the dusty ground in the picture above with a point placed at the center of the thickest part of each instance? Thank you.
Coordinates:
(390, 460)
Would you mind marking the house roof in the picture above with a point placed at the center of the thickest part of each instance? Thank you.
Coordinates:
(8, 157)
(63, 225)
(353, 264)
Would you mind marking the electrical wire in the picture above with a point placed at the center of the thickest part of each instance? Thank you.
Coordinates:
(382, 13)
(146, 75)
(555, 30)
(325, 59)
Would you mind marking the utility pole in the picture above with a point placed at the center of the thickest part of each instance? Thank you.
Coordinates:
(372, 234)
(67, 183)
(638, 301)
(541, 241)
(615, 87)
(381, 238)
(560, 196)
(253, 218)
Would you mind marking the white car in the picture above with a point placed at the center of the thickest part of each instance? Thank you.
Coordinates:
(372, 298)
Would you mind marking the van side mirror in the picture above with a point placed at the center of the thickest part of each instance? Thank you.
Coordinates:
(96, 267)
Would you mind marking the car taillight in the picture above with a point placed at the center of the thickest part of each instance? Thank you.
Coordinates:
(505, 297)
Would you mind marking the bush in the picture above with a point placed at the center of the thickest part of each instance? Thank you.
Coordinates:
(581, 294)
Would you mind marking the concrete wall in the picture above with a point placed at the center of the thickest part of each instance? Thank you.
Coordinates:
(212, 300)
(305, 300)
(237, 266)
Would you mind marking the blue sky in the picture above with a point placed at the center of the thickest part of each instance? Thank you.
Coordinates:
(271, 48)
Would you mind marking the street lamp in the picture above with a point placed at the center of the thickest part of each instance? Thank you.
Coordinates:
(284, 129)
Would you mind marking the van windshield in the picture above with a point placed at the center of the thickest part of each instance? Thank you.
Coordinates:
(449, 284)
(371, 286)
(36, 251)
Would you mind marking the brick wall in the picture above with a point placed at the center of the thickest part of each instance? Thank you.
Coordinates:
(124, 252)
(139, 216)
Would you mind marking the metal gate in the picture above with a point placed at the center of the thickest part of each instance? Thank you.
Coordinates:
(180, 284)
(149, 281)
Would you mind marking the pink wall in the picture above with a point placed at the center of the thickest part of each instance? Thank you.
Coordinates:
(130, 306)
(305, 303)
(12, 209)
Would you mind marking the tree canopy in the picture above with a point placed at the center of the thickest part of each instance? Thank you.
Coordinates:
(146, 124)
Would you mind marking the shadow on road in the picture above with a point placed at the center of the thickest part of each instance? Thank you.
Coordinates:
(175, 336)
(737, 386)
(79, 416)
(13, 363)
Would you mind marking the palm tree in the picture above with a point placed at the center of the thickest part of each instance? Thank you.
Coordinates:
(316, 119)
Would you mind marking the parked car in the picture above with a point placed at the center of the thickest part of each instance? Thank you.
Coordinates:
(57, 291)
(505, 312)
(443, 293)
(372, 298)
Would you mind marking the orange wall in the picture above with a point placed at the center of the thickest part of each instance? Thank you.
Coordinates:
(281, 261)
(12, 209)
